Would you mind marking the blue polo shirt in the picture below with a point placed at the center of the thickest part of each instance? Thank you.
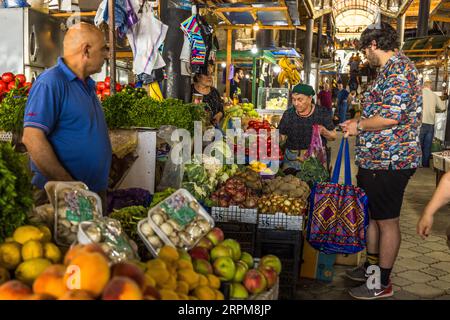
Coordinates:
(68, 111)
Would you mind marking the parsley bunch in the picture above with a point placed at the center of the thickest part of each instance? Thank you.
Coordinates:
(16, 197)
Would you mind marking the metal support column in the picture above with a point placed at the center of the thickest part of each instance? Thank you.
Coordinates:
(401, 29)
(319, 38)
(229, 53)
(308, 49)
(112, 45)
(254, 80)
(424, 16)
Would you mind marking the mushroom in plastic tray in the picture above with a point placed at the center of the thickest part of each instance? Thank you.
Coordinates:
(72, 206)
(152, 241)
(108, 233)
(180, 221)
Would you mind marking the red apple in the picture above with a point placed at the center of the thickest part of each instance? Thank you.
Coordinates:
(271, 261)
(202, 266)
(216, 236)
(199, 253)
(205, 243)
(270, 274)
(255, 282)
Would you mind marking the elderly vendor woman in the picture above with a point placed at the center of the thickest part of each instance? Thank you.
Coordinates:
(296, 126)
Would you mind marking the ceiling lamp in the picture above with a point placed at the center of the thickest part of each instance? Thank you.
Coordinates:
(256, 25)
(254, 49)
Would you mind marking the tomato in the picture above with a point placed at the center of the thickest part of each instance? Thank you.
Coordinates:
(8, 77)
(22, 78)
(3, 86)
(107, 82)
(101, 86)
(107, 92)
(27, 84)
(11, 85)
(118, 87)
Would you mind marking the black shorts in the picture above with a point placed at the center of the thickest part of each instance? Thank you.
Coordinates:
(385, 190)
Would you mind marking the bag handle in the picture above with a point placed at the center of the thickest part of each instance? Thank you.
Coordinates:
(337, 165)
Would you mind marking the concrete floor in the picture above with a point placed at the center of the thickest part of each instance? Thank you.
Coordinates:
(422, 269)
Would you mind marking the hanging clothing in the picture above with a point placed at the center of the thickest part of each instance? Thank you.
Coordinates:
(185, 58)
(145, 38)
(120, 9)
(191, 28)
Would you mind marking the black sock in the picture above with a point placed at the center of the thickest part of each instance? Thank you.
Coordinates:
(372, 259)
(385, 275)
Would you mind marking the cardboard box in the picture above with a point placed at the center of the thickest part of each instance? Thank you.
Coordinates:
(349, 259)
(317, 265)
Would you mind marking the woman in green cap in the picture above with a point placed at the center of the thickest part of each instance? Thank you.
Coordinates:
(296, 126)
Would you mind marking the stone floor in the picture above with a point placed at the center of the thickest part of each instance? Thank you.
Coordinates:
(422, 269)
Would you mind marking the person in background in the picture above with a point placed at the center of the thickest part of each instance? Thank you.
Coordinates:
(325, 97)
(351, 102)
(387, 153)
(65, 131)
(203, 84)
(342, 102)
(235, 90)
(431, 103)
(296, 126)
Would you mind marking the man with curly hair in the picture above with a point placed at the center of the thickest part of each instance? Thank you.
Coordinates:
(387, 153)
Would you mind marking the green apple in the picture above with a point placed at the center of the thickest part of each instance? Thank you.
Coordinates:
(238, 291)
(221, 251)
(248, 259)
(241, 270)
(234, 246)
(271, 261)
(224, 268)
(202, 266)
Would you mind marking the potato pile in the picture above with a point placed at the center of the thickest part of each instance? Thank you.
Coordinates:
(271, 204)
(289, 186)
(251, 179)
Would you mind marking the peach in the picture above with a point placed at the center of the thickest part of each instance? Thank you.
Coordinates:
(122, 288)
(88, 271)
(51, 281)
(14, 290)
(79, 248)
(76, 295)
(125, 269)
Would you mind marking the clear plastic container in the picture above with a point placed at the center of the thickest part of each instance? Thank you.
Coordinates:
(107, 233)
(180, 221)
(51, 185)
(73, 206)
(151, 240)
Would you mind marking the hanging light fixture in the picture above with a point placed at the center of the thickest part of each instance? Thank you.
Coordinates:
(254, 49)
(224, 65)
(256, 25)
(276, 69)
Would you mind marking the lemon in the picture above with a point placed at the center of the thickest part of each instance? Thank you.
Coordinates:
(10, 256)
(32, 249)
(47, 233)
(27, 233)
(52, 252)
(29, 270)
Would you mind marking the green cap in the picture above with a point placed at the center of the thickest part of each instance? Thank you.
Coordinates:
(305, 89)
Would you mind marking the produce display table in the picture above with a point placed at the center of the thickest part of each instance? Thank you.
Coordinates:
(441, 164)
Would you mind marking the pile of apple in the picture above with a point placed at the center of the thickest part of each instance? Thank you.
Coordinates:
(223, 258)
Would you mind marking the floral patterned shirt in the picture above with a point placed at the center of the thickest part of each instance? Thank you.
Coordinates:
(397, 95)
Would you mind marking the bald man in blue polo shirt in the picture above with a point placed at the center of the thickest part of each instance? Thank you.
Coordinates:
(65, 130)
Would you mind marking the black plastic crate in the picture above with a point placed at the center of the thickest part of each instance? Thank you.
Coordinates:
(279, 236)
(286, 292)
(244, 233)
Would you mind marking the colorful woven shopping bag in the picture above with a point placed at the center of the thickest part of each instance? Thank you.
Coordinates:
(338, 215)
